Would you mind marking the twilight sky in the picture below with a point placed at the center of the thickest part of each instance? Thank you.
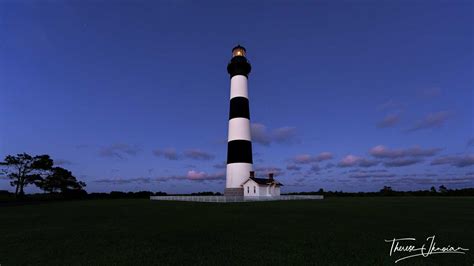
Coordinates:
(344, 95)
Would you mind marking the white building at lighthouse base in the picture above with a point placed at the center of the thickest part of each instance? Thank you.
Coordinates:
(261, 187)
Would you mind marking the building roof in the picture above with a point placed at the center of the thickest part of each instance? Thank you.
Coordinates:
(264, 181)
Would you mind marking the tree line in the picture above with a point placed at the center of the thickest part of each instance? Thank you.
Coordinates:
(23, 170)
(388, 191)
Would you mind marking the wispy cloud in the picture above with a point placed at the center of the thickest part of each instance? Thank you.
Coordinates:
(456, 180)
(265, 137)
(428, 93)
(470, 142)
(61, 162)
(329, 166)
(203, 176)
(307, 158)
(172, 154)
(352, 160)
(119, 150)
(371, 174)
(388, 105)
(168, 153)
(389, 121)
(401, 162)
(315, 168)
(221, 165)
(265, 170)
(293, 167)
(124, 181)
(431, 120)
(381, 151)
(191, 175)
(284, 134)
(458, 161)
(198, 155)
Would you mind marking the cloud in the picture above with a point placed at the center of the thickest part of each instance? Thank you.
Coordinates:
(389, 121)
(387, 105)
(352, 160)
(458, 161)
(196, 175)
(119, 150)
(470, 142)
(367, 171)
(349, 160)
(373, 174)
(456, 180)
(293, 167)
(383, 152)
(262, 136)
(222, 165)
(192, 175)
(60, 162)
(169, 153)
(268, 169)
(284, 134)
(198, 155)
(428, 93)
(432, 120)
(430, 175)
(172, 154)
(368, 162)
(203, 176)
(122, 181)
(303, 159)
(401, 162)
(417, 181)
(306, 158)
(315, 168)
(329, 166)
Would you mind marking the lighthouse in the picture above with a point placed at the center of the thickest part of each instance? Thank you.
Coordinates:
(239, 141)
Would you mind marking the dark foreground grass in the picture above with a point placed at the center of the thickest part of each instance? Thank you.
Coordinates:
(334, 231)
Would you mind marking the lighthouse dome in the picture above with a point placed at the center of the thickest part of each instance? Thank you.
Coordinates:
(238, 51)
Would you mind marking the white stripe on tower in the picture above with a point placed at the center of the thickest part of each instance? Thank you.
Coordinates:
(239, 145)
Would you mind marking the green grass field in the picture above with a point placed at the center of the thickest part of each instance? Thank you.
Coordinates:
(334, 231)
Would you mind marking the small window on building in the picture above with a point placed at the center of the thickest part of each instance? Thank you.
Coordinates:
(248, 190)
(254, 189)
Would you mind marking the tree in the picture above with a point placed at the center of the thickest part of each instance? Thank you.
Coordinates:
(60, 179)
(24, 169)
(433, 189)
(386, 190)
(443, 189)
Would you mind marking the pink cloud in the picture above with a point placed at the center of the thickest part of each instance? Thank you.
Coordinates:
(196, 175)
(349, 160)
(381, 151)
(307, 158)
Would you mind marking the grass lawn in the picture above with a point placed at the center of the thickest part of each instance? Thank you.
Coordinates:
(334, 231)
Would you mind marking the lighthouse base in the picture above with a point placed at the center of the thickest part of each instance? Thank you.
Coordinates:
(238, 191)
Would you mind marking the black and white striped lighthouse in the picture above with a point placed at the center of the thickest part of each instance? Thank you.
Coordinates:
(239, 145)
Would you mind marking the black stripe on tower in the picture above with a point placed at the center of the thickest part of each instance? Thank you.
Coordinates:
(239, 151)
(239, 107)
(239, 65)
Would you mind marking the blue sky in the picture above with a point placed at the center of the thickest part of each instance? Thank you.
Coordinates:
(344, 95)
